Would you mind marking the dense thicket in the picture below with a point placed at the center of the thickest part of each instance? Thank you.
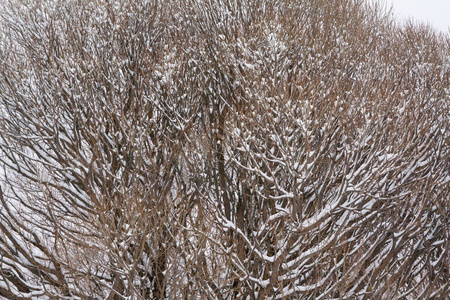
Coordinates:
(222, 149)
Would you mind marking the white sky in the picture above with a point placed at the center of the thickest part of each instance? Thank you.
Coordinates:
(435, 12)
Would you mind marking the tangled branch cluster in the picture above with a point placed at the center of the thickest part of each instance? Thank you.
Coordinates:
(222, 149)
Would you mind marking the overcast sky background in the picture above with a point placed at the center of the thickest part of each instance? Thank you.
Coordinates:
(435, 12)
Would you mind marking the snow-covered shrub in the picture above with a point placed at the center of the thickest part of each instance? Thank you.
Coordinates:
(222, 149)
